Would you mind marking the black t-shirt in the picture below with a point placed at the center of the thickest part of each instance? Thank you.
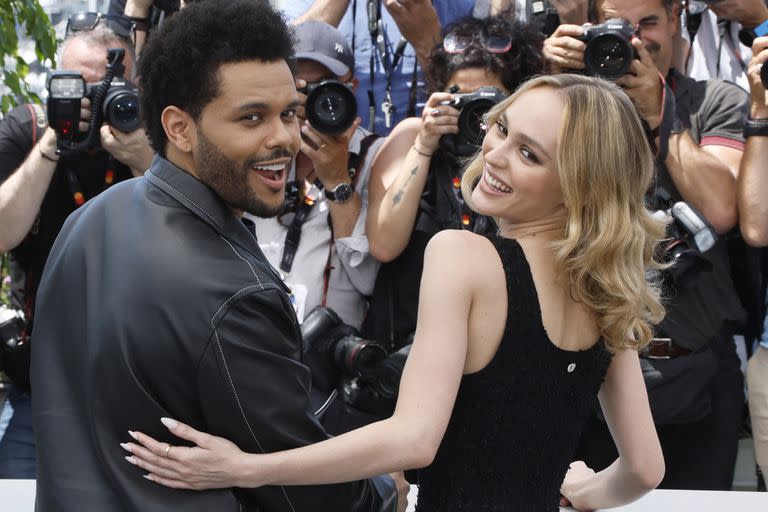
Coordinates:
(89, 173)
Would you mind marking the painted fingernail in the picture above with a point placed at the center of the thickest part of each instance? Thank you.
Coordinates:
(149, 477)
(133, 435)
(126, 447)
(169, 423)
(131, 460)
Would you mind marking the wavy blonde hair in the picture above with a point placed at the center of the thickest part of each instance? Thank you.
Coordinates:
(605, 166)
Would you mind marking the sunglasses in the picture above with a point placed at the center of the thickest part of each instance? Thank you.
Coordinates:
(455, 44)
(85, 21)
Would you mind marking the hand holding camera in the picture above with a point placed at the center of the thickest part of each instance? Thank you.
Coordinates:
(643, 85)
(437, 119)
(564, 49)
(114, 100)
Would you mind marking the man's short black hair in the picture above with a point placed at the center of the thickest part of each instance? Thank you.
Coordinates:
(523, 60)
(179, 65)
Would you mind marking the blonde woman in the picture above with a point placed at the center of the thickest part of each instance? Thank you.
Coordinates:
(517, 335)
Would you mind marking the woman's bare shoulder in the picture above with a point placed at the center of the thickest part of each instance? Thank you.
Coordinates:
(462, 249)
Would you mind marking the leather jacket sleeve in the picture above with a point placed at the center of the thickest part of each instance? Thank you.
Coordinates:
(255, 392)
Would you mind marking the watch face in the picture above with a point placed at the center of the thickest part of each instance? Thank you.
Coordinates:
(341, 193)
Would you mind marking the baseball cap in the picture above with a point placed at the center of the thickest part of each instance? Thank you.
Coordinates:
(322, 43)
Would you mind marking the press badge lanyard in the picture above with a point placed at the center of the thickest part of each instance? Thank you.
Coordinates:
(379, 47)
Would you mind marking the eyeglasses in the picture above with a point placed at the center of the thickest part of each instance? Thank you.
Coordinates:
(85, 21)
(454, 43)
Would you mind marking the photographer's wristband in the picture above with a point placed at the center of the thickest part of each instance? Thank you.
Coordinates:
(755, 128)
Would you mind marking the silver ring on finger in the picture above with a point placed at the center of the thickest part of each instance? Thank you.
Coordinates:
(435, 112)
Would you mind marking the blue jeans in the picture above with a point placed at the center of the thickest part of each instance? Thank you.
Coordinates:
(17, 444)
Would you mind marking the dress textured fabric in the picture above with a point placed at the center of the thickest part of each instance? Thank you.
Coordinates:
(516, 422)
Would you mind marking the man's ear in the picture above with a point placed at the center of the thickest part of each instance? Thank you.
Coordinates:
(674, 16)
(179, 127)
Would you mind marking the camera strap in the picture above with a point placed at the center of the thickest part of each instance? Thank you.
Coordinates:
(380, 49)
(293, 236)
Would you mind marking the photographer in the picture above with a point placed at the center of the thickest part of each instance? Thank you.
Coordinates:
(390, 81)
(39, 189)
(414, 185)
(721, 37)
(318, 241)
(753, 210)
(698, 128)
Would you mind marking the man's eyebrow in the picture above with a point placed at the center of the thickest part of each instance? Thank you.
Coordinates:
(254, 105)
(532, 142)
(649, 18)
(258, 105)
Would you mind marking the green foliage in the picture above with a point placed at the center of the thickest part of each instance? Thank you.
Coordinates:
(36, 24)
(5, 288)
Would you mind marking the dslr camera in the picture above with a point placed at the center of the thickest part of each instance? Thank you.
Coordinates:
(609, 50)
(333, 349)
(114, 100)
(472, 108)
(331, 106)
(343, 364)
(690, 232)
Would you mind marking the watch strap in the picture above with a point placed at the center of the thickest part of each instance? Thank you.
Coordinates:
(755, 128)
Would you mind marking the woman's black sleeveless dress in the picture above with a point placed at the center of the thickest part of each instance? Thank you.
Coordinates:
(516, 423)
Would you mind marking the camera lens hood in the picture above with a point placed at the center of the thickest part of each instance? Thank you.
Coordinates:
(331, 107)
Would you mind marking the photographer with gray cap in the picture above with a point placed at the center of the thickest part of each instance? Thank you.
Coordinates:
(318, 243)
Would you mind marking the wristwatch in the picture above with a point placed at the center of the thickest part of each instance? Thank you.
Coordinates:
(755, 127)
(341, 193)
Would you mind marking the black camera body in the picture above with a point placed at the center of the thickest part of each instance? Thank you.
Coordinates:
(690, 232)
(331, 106)
(333, 349)
(358, 370)
(114, 100)
(609, 52)
(472, 108)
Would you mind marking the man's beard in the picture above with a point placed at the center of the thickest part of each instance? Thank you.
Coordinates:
(230, 181)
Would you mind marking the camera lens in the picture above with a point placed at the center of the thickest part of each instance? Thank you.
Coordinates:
(331, 107)
(608, 56)
(121, 111)
(358, 356)
(471, 120)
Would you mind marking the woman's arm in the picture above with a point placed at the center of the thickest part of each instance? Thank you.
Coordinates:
(640, 466)
(410, 438)
(399, 174)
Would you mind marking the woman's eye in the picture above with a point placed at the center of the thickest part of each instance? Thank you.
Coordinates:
(502, 129)
(528, 154)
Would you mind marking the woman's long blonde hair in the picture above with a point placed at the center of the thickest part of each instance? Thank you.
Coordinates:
(605, 166)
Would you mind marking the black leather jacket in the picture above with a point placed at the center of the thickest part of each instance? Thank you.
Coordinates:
(156, 301)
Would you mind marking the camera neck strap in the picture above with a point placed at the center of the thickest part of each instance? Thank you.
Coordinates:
(76, 187)
(380, 49)
(293, 235)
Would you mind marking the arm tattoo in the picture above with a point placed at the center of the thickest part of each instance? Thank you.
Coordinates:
(399, 194)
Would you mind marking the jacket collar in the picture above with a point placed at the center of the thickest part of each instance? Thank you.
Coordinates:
(203, 201)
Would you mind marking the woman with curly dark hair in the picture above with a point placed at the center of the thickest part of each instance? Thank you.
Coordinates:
(414, 186)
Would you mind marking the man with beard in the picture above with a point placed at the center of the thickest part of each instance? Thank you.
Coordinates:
(156, 300)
